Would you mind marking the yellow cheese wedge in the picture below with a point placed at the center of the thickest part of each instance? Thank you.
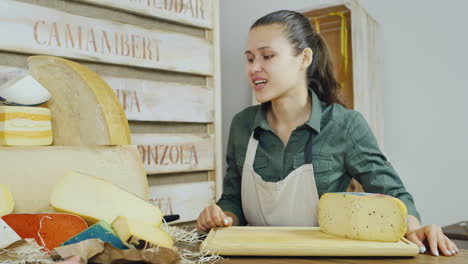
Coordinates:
(31, 172)
(95, 199)
(25, 126)
(7, 235)
(85, 110)
(7, 202)
(362, 216)
(140, 234)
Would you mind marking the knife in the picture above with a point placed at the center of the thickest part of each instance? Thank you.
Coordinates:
(171, 218)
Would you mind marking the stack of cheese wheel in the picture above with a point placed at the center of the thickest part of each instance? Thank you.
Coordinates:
(22, 122)
(91, 136)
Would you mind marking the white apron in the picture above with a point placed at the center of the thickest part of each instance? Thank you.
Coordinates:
(290, 202)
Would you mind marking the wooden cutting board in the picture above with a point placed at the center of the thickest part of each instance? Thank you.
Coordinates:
(297, 241)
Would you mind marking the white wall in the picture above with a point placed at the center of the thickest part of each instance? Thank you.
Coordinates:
(425, 79)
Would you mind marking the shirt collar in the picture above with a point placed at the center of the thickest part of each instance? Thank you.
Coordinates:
(314, 121)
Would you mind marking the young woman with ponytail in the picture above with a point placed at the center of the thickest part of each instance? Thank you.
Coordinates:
(301, 142)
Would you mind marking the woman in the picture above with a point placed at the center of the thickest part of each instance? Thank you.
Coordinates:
(301, 142)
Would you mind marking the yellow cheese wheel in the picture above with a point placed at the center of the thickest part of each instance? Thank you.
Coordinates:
(31, 172)
(85, 110)
(96, 199)
(362, 216)
(7, 202)
(140, 234)
(25, 126)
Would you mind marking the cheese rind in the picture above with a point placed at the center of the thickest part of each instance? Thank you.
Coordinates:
(85, 110)
(95, 199)
(141, 234)
(31, 172)
(7, 203)
(25, 126)
(7, 235)
(23, 91)
(101, 230)
(363, 216)
(48, 229)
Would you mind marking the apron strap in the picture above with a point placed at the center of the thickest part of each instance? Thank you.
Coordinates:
(251, 150)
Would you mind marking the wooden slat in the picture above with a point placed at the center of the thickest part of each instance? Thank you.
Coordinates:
(166, 153)
(191, 12)
(145, 100)
(28, 28)
(186, 200)
(214, 82)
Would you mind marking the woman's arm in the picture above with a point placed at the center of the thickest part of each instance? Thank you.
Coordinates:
(366, 163)
(413, 223)
(228, 210)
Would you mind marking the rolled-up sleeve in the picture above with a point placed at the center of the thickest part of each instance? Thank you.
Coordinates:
(231, 198)
(365, 162)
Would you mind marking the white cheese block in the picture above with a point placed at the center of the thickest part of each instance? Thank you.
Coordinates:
(85, 110)
(7, 235)
(25, 126)
(23, 91)
(362, 216)
(7, 203)
(141, 235)
(95, 199)
(31, 172)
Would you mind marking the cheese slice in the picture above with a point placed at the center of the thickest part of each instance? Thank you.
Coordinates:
(31, 172)
(362, 216)
(7, 203)
(95, 199)
(7, 235)
(23, 91)
(101, 230)
(85, 110)
(141, 235)
(25, 126)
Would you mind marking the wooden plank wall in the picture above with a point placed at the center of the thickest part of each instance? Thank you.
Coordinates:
(173, 108)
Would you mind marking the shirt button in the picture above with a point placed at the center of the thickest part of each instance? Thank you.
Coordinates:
(387, 163)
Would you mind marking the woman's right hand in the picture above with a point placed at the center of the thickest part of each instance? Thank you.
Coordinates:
(213, 216)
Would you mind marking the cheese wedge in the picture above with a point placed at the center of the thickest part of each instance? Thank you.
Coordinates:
(101, 230)
(25, 126)
(141, 235)
(95, 199)
(31, 172)
(23, 91)
(362, 216)
(7, 235)
(7, 203)
(48, 229)
(85, 110)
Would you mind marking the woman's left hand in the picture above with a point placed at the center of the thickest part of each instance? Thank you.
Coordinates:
(434, 238)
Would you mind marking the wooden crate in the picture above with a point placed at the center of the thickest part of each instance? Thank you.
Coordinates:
(162, 60)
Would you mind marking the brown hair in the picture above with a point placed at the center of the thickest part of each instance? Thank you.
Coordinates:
(301, 35)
